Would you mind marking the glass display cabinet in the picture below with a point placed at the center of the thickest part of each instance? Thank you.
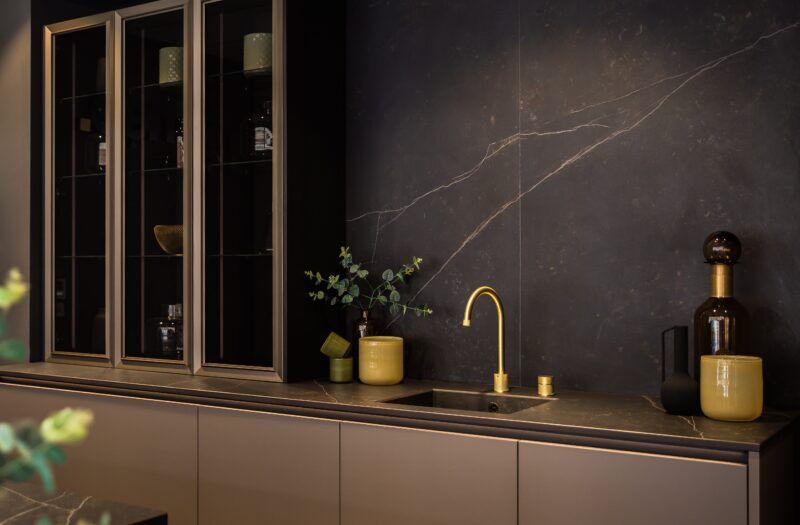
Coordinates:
(238, 145)
(152, 147)
(164, 188)
(78, 186)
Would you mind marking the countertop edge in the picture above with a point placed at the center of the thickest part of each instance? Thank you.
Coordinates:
(524, 430)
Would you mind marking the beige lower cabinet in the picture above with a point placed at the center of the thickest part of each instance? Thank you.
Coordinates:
(140, 452)
(266, 468)
(403, 476)
(565, 485)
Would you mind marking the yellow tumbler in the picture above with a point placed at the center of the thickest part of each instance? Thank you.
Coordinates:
(731, 387)
(380, 360)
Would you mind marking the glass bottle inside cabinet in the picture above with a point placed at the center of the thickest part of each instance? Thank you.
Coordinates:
(79, 191)
(153, 96)
(238, 182)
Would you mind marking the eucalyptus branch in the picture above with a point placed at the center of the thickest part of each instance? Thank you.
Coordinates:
(346, 288)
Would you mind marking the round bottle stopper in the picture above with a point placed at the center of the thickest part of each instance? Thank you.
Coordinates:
(722, 248)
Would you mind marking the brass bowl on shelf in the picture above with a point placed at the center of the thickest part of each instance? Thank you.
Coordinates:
(170, 238)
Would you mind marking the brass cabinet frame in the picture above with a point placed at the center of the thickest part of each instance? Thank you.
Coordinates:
(120, 18)
(193, 210)
(49, 34)
(200, 367)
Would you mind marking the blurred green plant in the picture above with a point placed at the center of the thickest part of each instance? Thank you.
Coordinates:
(27, 448)
(351, 289)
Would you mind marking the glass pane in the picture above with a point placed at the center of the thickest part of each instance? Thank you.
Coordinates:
(238, 182)
(153, 105)
(79, 165)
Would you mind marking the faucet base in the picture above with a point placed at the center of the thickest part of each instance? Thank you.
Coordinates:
(501, 383)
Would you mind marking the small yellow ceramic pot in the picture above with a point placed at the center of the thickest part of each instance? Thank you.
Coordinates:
(380, 360)
(731, 387)
(341, 369)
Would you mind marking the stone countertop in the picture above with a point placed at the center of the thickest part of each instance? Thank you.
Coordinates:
(571, 414)
(28, 502)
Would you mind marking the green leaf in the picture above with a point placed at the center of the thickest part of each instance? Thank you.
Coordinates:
(353, 268)
(363, 274)
(387, 275)
(333, 301)
(55, 454)
(394, 309)
(44, 520)
(347, 299)
(354, 290)
(320, 295)
(3, 325)
(394, 296)
(401, 278)
(7, 438)
(21, 471)
(382, 299)
(12, 350)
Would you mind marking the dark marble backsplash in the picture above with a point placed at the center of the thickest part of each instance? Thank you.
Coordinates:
(574, 155)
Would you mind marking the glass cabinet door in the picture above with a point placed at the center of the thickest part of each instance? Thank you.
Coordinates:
(153, 184)
(238, 176)
(77, 188)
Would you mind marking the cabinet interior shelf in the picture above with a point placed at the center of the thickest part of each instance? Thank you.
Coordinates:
(81, 175)
(240, 163)
(84, 95)
(253, 75)
(155, 256)
(268, 254)
(155, 84)
(81, 256)
(155, 170)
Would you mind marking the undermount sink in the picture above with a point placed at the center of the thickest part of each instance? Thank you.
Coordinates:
(472, 401)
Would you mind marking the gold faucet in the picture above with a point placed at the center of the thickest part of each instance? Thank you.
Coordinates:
(500, 378)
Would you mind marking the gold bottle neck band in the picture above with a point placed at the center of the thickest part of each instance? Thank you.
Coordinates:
(721, 280)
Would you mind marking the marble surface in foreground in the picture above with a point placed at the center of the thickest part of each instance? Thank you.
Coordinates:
(621, 416)
(28, 502)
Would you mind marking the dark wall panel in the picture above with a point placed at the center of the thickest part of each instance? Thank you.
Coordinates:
(575, 155)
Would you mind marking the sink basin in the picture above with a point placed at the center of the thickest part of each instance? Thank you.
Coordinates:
(473, 401)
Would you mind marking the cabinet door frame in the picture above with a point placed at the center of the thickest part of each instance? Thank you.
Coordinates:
(49, 33)
(120, 18)
(199, 366)
(193, 199)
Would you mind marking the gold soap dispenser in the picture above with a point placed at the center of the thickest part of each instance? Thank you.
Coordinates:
(545, 386)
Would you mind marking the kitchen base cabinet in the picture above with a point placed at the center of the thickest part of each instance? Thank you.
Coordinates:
(139, 452)
(265, 468)
(401, 476)
(562, 484)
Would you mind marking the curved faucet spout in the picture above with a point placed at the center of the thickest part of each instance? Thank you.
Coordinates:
(500, 378)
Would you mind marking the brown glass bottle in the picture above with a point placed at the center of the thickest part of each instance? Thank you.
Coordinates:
(721, 322)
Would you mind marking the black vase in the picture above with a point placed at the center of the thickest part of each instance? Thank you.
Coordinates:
(680, 394)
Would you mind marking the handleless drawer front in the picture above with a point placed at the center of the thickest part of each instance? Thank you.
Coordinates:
(400, 476)
(267, 468)
(561, 484)
(138, 451)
